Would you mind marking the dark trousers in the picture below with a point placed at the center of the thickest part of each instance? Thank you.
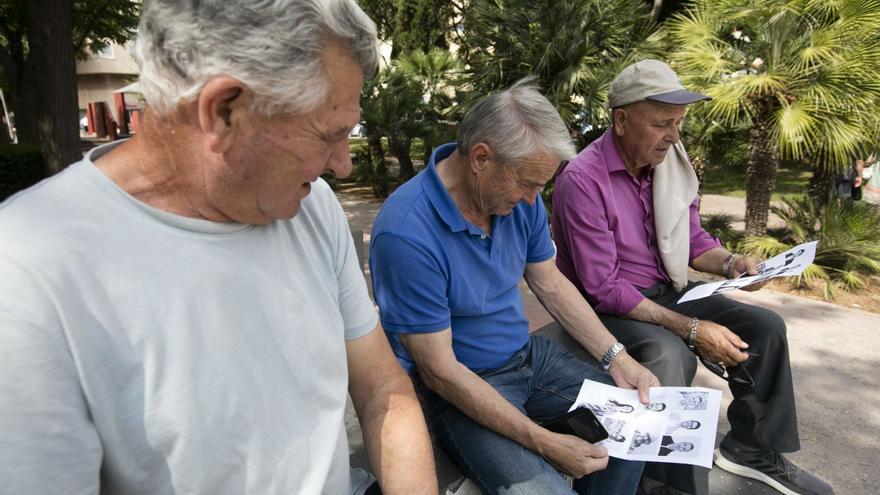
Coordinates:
(763, 416)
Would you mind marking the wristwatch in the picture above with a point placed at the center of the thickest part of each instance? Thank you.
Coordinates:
(692, 338)
(727, 267)
(610, 354)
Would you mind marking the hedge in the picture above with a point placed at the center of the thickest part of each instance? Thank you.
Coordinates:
(21, 166)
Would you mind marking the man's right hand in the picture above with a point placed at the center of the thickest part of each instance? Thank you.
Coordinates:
(719, 345)
(572, 455)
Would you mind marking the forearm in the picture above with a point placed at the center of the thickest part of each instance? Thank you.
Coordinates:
(712, 261)
(396, 439)
(478, 400)
(651, 312)
(568, 306)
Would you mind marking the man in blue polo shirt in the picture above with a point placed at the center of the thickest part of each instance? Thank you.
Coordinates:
(449, 248)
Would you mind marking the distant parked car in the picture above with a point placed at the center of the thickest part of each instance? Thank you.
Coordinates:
(358, 131)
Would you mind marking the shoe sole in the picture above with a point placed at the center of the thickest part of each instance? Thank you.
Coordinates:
(746, 472)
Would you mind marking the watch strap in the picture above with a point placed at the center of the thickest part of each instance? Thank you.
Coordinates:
(610, 354)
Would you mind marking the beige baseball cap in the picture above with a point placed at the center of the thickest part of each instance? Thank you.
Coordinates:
(650, 80)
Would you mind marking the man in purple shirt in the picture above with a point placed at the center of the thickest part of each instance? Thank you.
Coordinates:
(626, 224)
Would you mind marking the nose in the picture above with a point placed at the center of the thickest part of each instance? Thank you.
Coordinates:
(674, 134)
(339, 162)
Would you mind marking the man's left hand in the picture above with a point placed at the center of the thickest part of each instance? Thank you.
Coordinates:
(628, 373)
(747, 265)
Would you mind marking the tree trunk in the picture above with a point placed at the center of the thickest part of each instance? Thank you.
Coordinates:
(400, 148)
(379, 172)
(761, 174)
(24, 103)
(821, 185)
(374, 147)
(429, 150)
(48, 83)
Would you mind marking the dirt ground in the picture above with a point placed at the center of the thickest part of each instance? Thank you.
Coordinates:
(866, 300)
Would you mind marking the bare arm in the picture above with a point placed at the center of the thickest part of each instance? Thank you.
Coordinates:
(391, 418)
(445, 375)
(566, 304)
(712, 261)
(714, 342)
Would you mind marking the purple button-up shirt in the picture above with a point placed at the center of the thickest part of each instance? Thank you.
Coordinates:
(603, 225)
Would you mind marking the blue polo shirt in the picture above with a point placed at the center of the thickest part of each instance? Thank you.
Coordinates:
(432, 270)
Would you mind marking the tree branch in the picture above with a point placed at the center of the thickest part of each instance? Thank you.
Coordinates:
(78, 45)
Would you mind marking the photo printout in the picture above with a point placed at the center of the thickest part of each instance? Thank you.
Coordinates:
(678, 425)
(792, 262)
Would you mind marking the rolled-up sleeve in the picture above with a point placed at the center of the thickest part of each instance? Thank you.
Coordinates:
(579, 204)
(701, 241)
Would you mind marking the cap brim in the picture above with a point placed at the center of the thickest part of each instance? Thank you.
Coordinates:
(679, 97)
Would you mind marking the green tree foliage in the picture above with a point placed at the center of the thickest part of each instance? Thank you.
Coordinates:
(38, 42)
(849, 241)
(436, 74)
(574, 47)
(422, 25)
(801, 75)
(409, 99)
(412, 24)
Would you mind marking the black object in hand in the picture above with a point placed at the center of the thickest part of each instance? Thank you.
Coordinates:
(580, 422)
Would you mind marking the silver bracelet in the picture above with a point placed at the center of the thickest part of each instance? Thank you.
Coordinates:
(692, 338)
(727, 267)
(610, 354)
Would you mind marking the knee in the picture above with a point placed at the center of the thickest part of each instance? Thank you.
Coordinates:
(770, 328)
(670, 360)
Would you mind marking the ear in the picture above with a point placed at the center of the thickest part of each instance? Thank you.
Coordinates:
(480, 157)
(618, 120)
(221, 105)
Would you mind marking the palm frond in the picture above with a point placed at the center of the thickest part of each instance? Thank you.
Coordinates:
(764, 246)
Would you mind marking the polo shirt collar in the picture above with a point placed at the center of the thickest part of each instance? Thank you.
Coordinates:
(437, 193)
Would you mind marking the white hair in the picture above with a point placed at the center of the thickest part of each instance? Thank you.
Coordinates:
(516, 123)
(272, 46)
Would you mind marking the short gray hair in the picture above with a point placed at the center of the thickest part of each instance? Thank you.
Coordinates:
(516, 123)
(272, 46)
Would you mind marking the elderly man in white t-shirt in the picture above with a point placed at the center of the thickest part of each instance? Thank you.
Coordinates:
(184, 312)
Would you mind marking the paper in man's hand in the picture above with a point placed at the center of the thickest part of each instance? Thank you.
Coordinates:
(678, 426)
(792, 262)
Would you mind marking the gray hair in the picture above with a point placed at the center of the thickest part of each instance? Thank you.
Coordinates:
(516, 123)
(272, 46)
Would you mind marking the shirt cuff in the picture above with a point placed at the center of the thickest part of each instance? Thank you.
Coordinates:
(702, 244)
(620, 300)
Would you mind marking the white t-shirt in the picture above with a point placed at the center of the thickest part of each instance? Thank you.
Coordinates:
(146, 353)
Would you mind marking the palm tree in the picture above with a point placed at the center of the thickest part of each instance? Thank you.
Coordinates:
(573, 47)
(409, 99)
(436, 74)
(801, 74)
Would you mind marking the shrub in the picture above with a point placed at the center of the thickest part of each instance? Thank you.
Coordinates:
(849, 241)
(718, 225)
(21, 166)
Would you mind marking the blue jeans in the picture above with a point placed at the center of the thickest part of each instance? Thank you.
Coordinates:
(542, 380)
